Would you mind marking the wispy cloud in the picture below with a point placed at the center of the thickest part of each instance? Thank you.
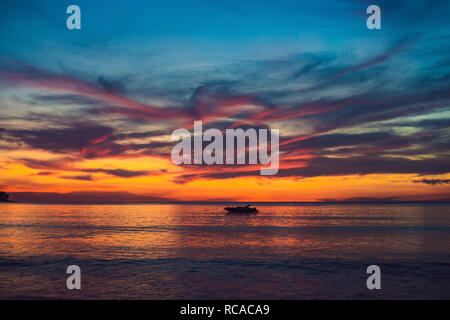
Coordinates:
(433, 181)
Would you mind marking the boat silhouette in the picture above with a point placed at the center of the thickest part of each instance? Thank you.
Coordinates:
(241, 210)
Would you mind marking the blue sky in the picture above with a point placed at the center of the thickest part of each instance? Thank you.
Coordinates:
(167, 35)
(227, 30)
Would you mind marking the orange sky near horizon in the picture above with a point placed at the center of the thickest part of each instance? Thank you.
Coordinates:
(18, 178)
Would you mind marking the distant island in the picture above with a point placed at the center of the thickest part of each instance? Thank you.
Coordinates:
(4, 197)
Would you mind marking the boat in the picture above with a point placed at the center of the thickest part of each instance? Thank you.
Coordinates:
(241, 210)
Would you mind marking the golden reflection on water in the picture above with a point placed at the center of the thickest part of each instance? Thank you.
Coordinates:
(141, 231)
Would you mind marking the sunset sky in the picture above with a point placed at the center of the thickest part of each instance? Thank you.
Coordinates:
(86, 115)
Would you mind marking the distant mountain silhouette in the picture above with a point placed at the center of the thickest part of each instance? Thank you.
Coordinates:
(3, 196)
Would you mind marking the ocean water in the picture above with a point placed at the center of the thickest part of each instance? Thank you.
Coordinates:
(195, 251)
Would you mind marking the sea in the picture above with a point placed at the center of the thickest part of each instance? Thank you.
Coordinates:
(196, 251)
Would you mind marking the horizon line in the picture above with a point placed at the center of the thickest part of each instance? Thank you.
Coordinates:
(238, 202)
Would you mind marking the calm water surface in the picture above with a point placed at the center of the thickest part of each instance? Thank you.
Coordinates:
(154, 251)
